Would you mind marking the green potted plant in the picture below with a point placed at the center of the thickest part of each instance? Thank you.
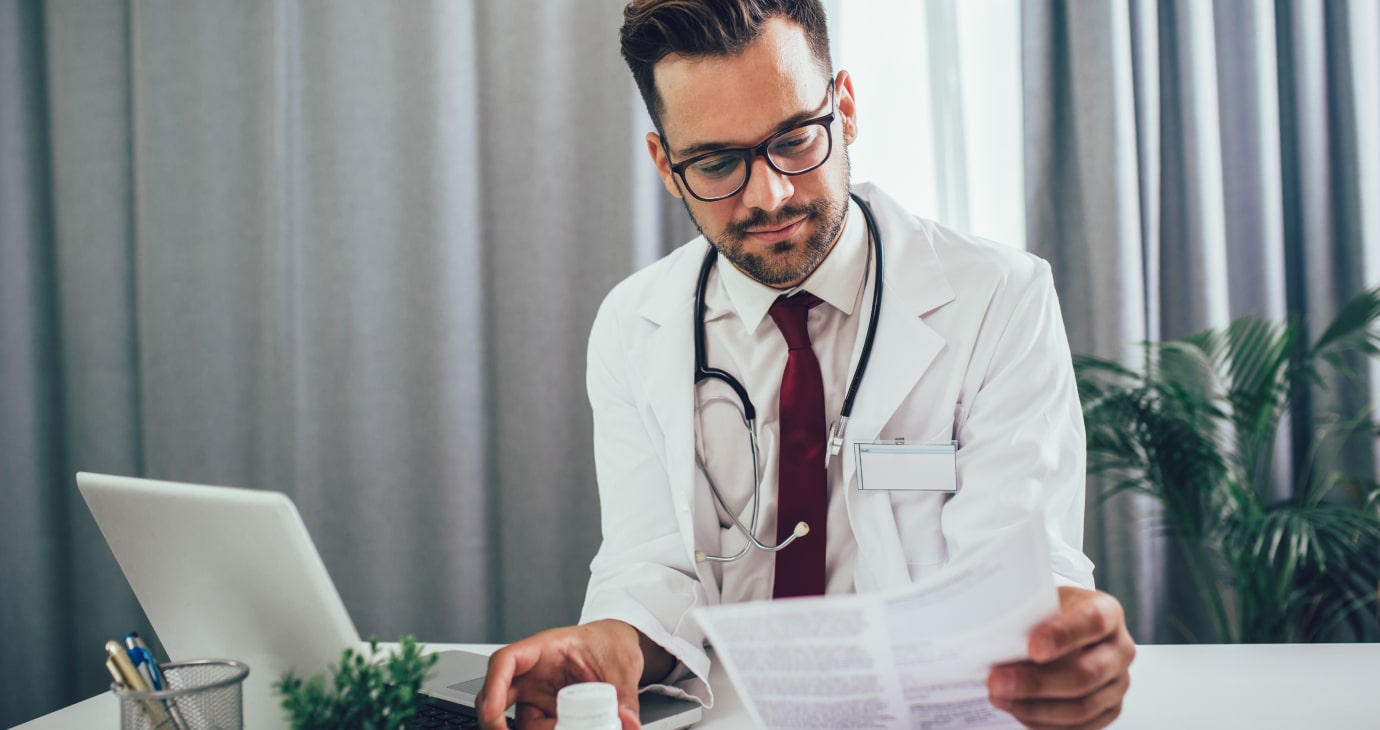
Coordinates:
(363, 694)
(1195, 427)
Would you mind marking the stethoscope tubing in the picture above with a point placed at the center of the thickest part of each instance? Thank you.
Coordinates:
(749, 412)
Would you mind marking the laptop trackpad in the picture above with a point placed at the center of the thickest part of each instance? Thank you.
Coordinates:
(471, 687)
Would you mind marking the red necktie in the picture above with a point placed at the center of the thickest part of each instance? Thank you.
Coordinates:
(802, 488)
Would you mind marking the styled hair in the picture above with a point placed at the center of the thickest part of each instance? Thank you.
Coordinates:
(653, 29)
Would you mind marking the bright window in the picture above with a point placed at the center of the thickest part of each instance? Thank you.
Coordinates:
(938, 84)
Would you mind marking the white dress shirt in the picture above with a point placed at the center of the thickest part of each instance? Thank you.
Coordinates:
(743, 340)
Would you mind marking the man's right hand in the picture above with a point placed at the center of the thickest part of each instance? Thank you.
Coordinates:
(530, 672)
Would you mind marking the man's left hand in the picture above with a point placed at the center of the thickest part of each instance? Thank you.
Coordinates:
(1078, 671)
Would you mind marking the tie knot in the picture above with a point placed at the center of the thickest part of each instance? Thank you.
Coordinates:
(791, 315)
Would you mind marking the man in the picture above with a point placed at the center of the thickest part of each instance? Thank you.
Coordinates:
(752, 134)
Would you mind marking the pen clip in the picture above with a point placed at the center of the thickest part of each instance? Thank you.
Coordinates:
(143, 661)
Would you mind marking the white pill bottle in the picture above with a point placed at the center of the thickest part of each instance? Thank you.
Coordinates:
(587, 706)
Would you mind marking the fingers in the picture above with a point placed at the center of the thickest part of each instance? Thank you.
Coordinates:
(1085, 617)
(494, 697)
(531, 717)
(628, 708)
(1080, 670)
(628, 716)
(1069, 677)
(531, 672)
(627, 697)
(500, 690)
(1098, 723)
(1095, 710)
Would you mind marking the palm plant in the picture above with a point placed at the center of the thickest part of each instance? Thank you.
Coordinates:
(1195, 427)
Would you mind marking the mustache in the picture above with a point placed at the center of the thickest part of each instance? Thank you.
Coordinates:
(760, 220)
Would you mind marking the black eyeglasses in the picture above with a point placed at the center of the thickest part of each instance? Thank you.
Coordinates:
(793, 151)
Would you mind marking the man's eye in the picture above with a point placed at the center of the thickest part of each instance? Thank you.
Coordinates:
(796, 140)
(717, 166)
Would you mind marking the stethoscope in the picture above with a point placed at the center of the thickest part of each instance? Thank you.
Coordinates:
(835, 441)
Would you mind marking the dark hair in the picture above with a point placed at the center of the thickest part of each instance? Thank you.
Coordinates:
(652, 29)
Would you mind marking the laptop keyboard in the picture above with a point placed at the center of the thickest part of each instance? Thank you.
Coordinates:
(435, 715)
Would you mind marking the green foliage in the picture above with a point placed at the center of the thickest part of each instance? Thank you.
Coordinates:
(362, 695)
(1195, 428)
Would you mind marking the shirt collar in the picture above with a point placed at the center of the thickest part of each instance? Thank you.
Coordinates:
(836, 280)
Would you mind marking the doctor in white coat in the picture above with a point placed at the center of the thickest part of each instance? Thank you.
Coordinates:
(969, 346)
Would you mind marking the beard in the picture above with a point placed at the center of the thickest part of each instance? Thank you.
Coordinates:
(784, 262)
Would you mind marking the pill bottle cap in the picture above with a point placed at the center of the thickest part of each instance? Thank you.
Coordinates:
(592, 704)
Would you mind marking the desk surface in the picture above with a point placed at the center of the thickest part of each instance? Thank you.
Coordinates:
(1209, 686)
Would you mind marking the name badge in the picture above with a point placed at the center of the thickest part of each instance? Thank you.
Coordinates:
(902, 467)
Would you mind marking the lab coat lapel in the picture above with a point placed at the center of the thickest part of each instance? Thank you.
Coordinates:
(667, 357)
(914, 284)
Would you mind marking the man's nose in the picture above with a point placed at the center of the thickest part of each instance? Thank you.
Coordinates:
(766, 188)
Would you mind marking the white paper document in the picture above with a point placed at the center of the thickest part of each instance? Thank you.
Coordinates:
(918, 658)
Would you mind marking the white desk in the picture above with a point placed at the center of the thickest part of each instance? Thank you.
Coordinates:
(1183, 687)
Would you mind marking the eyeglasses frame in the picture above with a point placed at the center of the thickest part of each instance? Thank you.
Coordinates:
(760, 150)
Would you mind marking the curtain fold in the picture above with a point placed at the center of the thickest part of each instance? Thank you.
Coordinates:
(1090, 206)
(1188, 163)
(36, 618)
(349, 251)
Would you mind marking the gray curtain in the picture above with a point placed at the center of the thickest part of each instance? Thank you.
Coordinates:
(345, 250)
(1188, 163)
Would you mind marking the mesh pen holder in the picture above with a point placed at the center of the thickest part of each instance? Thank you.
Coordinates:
(202, 694)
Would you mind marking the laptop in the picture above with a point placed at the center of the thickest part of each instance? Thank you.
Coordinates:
(223, 572)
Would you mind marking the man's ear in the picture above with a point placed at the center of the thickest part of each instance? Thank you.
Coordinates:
(848, 109)
(663, 163)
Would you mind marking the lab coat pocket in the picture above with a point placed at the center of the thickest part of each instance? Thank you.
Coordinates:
(919, 527)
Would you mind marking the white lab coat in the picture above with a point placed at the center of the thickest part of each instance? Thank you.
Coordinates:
(970, 340)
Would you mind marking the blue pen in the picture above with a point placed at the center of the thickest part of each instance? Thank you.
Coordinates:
(142, 658)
